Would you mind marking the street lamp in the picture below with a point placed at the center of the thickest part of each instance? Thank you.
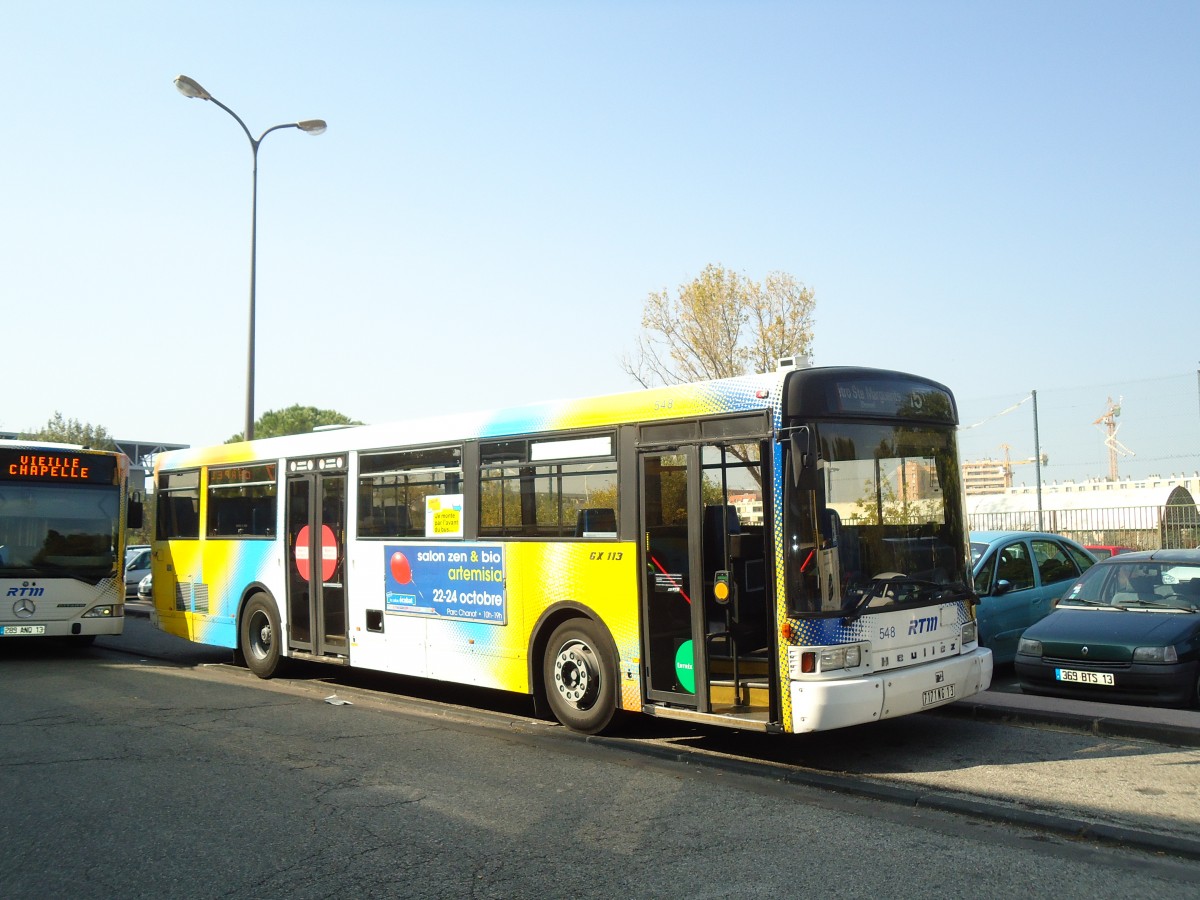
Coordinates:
(192, 89)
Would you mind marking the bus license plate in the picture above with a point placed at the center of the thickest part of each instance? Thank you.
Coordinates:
(21, 630)
(1079, 677)
(937, 695)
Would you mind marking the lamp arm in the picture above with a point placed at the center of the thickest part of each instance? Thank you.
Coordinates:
(238, 119)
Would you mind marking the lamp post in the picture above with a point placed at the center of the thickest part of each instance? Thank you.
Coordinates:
(192, 89)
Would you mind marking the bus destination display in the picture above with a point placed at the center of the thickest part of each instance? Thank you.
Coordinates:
(19, 465)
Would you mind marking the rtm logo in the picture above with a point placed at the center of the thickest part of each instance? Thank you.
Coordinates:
(26, 592)
(922, 626)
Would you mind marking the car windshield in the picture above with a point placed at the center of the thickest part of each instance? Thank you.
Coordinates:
(1138, 585)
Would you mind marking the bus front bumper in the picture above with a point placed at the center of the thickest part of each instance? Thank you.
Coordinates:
(82, 627)
(824, 705)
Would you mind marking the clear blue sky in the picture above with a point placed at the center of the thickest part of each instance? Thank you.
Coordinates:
(1003, 196)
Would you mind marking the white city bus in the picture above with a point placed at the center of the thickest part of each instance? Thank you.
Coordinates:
(64, 511)
(783, 552)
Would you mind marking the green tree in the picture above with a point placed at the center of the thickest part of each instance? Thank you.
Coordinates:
(71, 431)
(295, 419)
(721, 324)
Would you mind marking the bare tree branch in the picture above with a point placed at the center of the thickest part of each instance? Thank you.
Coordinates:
(719, 325)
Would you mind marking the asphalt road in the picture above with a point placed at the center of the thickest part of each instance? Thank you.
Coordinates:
(129, 774)
(1107, 772)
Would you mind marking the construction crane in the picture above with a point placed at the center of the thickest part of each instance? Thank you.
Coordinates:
(1115, 447)
(1009, 463)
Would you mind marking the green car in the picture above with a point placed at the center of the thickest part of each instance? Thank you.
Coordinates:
(1128, 630)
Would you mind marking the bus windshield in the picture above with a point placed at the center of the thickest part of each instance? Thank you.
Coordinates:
(873, 519)
(49, 530)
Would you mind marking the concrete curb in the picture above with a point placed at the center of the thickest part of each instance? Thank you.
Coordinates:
(1102, 725)
(919, 798)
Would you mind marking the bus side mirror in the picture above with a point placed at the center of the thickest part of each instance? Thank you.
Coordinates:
(801, 452)
(133, 513)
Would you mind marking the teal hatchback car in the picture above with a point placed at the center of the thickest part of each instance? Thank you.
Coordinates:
(1018, 576)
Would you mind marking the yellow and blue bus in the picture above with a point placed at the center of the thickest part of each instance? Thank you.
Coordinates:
(64, 511)
(783, 552)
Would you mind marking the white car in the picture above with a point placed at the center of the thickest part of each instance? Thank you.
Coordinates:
(144, 590)
(137, 568)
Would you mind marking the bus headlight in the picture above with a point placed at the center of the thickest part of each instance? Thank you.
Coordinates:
(105, 612)
(970, 633)
(841, 658)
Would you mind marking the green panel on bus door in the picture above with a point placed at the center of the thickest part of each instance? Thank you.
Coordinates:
(685, 667)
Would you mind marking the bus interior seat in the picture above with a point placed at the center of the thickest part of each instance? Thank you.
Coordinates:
(748, 612)
(596, 522)
(396, 522)
(719, 521)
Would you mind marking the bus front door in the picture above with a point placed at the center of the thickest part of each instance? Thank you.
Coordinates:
(316, 534)
(708, 641)
(673, 610)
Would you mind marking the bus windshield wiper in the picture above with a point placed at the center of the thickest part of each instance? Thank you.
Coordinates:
(892, 589)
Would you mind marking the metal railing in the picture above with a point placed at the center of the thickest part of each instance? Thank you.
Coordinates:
(1140, 527)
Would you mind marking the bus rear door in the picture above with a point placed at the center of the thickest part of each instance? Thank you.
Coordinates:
(316, 535)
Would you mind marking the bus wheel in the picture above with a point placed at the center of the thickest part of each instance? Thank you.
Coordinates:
(579, 675)
(259, 636)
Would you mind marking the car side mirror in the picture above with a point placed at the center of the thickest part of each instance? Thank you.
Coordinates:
(1003, 586)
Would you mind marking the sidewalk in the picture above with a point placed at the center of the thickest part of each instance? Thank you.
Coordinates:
(1180, 727)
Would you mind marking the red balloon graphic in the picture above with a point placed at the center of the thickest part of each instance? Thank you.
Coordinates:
(401, 569)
